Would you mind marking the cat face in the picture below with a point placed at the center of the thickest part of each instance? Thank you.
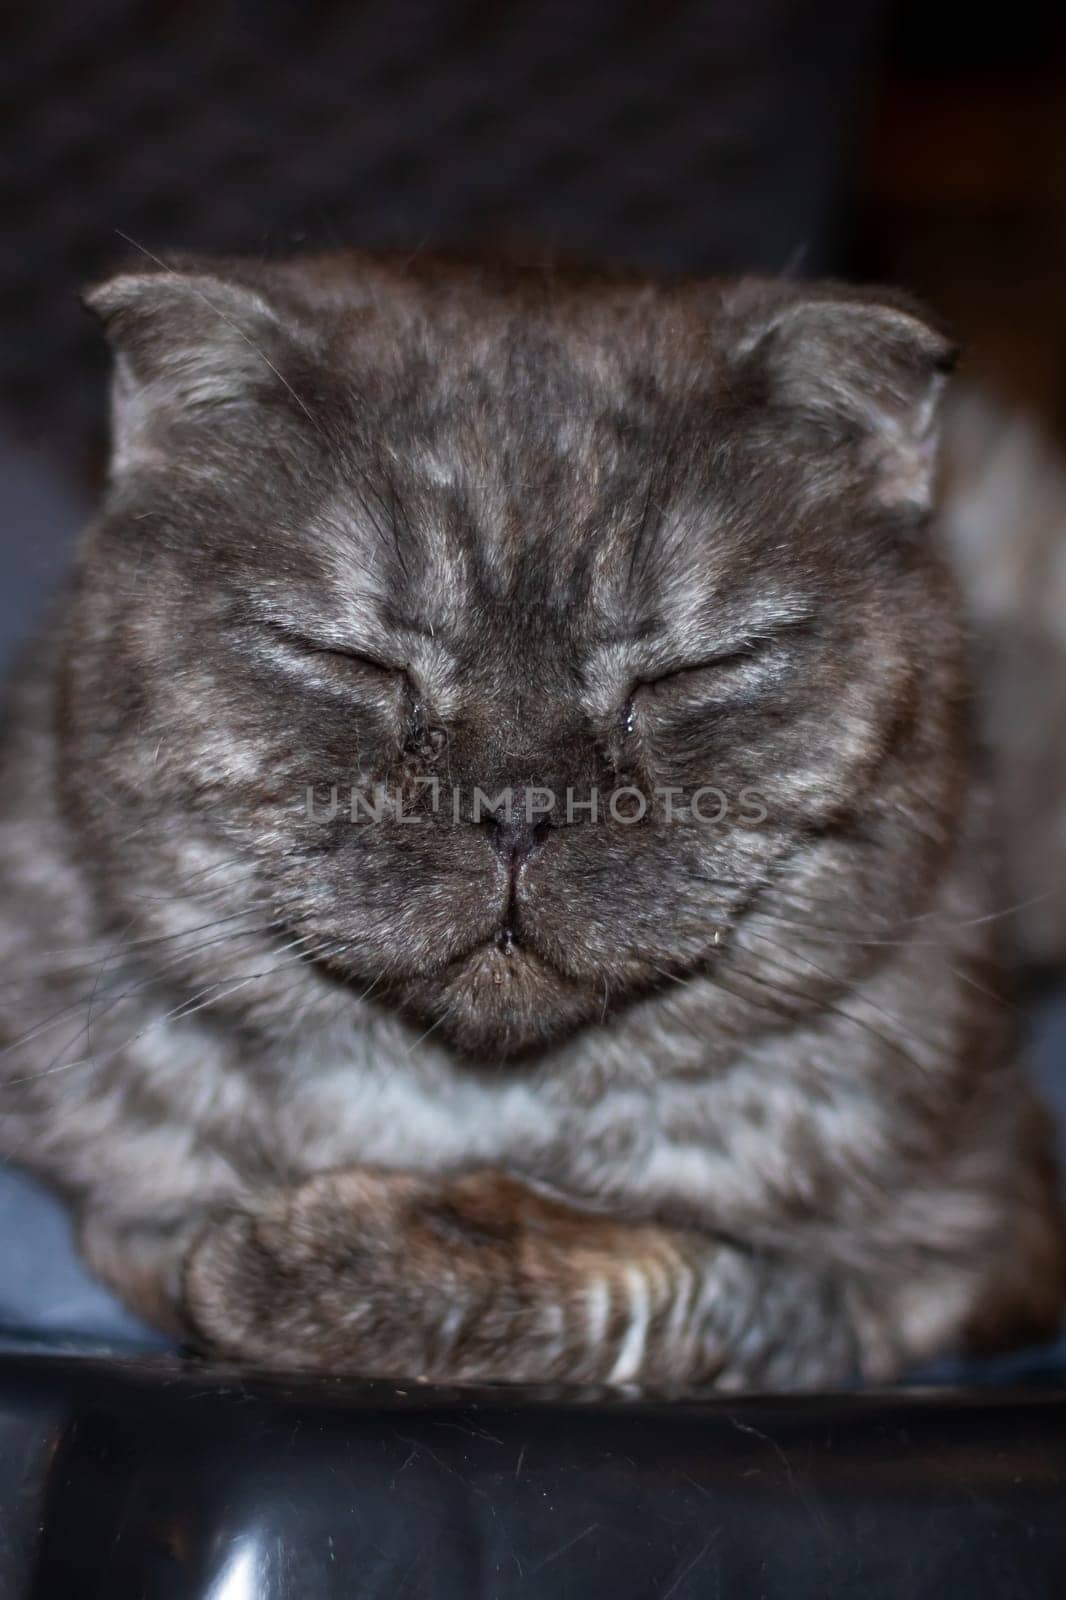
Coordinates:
(515, 634)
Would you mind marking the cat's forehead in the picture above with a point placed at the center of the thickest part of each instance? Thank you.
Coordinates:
(553, 492)
(574, 565)
(546, 484)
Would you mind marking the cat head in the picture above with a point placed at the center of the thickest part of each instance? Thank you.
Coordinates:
(513, 629)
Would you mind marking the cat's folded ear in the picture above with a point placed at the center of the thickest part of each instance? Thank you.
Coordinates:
(863, 367)
(186, 343)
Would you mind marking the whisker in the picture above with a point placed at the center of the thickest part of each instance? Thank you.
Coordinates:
(785, 891)
(157, 975)
(118, 952)
(892, 1042)
(211, 994)
(237, 329)
(424, 1036)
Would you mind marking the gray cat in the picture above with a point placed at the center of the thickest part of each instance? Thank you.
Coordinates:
(495, 876)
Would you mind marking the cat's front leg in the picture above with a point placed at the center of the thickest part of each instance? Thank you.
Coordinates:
(142, 1258)
(481, 1278)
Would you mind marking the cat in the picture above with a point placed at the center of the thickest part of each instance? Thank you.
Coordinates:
(497, 876)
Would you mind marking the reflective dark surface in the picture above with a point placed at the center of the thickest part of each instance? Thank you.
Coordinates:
(154, 1478)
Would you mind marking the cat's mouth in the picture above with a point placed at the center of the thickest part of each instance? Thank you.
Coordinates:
(503, 999)
(526, 971)
(503, 955)
(508, 994)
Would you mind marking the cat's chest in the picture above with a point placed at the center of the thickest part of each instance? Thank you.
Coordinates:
(736, 1140)
(652, 1142)
(392, 1116)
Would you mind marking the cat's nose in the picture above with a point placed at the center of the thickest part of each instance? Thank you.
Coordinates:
(516, 841)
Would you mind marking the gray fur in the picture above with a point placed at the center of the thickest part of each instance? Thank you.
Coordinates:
(731, 1102)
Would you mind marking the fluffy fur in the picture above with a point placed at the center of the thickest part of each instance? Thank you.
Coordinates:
(474, 1096)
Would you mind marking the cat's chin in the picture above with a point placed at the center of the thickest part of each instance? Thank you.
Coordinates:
(501, 1002)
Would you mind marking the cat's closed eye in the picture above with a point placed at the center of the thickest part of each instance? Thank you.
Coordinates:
(344, 666)
(720, 671)
(352, 660)
(296, 645)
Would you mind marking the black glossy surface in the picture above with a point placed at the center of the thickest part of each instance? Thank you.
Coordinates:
(153, 1479)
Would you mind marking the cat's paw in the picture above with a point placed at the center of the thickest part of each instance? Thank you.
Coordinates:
(306, 1277)
(368, 1271)
(480, 1278)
